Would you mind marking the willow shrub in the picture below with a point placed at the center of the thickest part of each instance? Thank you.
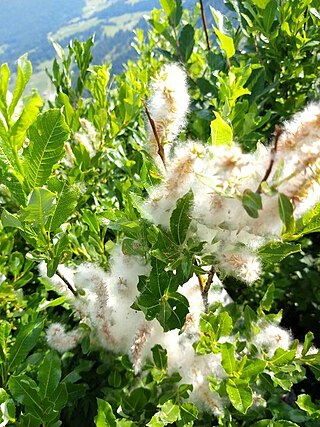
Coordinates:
(159, 261)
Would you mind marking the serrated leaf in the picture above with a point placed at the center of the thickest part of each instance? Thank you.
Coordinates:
(228, 358)
(49, 374)
(64, 206)
(277, 251)
(240, 394)
(23, 76)
(186, 42)
(180, 218)
(221, 132)
(105, 416)
(47, 137)
(25, 341)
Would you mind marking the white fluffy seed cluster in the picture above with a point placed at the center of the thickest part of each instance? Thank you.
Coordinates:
(104, 304)
(218, 178)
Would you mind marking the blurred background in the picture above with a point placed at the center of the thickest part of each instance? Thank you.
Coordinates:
(29, 26)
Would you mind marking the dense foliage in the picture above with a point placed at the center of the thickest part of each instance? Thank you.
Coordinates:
(94, 196)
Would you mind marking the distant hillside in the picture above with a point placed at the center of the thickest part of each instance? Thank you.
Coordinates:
(28, 26)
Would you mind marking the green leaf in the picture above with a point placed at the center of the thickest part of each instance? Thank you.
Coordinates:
(169, 7)
(228, 359)
(47, 137)
(253, 368)
(186, 42)
(10, 220)
(60, 397)
(28, 116)
(64, 206)
(5, 330)
(305, 403)
(269, 15)
(6, 153)
(282, 357)
(170, 412)
(25, 341)
(4, 85)
(39, 207)
(308, 340)
(222, 325)
(53, 303)
(29, 420)
(251, 202)
(23, 76)
(188, 413)
(226, 43)
(268, 298)
(160, 357)
(221, 132)
(49, 374)
(15, 187)
(180, 218)
(158, 297)
(262, 4)
(105, 417)
(276, 251)
(286, 213)
(240, 394)
(59, 249)
(24, 390)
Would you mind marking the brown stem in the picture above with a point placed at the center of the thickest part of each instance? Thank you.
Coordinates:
(278, 133)
(67, 283)
(204, 23)
(155, 133)
(205, 287)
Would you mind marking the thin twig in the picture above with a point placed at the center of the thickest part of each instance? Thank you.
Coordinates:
(67, 283)
(155, 133)
(206, 289)
(278, 133)
(204, 23)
